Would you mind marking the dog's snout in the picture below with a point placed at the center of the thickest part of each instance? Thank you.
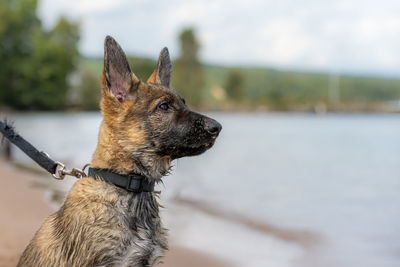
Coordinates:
(212, 126)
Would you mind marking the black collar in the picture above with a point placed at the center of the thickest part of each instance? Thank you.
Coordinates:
(132, 182)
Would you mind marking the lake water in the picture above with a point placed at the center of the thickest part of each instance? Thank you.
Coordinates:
(337, 176)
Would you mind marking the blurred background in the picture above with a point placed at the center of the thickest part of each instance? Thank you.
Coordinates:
(306, 169)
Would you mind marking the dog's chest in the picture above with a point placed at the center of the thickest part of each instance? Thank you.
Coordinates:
(141, 251)
(142, 238)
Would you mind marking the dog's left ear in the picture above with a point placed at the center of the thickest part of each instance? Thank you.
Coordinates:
(162, 74)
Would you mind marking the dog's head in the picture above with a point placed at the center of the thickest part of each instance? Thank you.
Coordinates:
(149, 119)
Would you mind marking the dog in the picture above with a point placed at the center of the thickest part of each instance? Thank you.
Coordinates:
(146, 125)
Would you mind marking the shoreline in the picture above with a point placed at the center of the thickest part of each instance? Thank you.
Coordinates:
(303, 238)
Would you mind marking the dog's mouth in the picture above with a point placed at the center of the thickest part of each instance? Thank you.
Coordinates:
(195, 149)
(187, 150)
(204, 146)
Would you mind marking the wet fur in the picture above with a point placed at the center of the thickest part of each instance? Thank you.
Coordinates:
(100, 224)
(113, 228)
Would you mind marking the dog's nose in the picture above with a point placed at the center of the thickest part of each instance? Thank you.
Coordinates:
(212, 126)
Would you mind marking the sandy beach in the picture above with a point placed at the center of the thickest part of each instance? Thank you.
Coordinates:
(24, 208)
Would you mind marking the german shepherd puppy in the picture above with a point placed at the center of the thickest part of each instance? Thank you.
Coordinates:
(145, 126)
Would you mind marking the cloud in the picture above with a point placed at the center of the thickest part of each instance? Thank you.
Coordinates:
(344, 36)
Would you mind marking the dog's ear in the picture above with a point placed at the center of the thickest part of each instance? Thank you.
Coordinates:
(162, 74)
(117, 75)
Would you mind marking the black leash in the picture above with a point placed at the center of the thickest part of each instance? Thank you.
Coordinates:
(132, 182)
(39, 157)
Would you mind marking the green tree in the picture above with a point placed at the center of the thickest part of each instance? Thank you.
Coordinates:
(17, 25)
(142, 67)
(39, 62)
(90, 91)
(188, 78)
(235, 85)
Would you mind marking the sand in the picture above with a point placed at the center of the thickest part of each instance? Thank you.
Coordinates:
(24, 208)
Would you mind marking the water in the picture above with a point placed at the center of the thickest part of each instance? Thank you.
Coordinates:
(333, 175)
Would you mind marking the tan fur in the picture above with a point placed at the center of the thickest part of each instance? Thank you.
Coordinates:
(154, 77)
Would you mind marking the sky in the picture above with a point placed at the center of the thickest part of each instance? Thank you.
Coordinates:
(338, 36)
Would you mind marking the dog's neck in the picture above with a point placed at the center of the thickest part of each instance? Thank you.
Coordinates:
(110, 155)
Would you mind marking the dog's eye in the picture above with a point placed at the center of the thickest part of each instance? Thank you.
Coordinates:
(164, 106)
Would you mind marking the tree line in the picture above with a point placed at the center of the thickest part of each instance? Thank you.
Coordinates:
(42, 69)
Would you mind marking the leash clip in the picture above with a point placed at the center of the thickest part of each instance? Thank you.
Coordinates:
(61, 171)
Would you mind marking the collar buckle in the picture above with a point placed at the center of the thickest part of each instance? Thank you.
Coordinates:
(134, 183)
